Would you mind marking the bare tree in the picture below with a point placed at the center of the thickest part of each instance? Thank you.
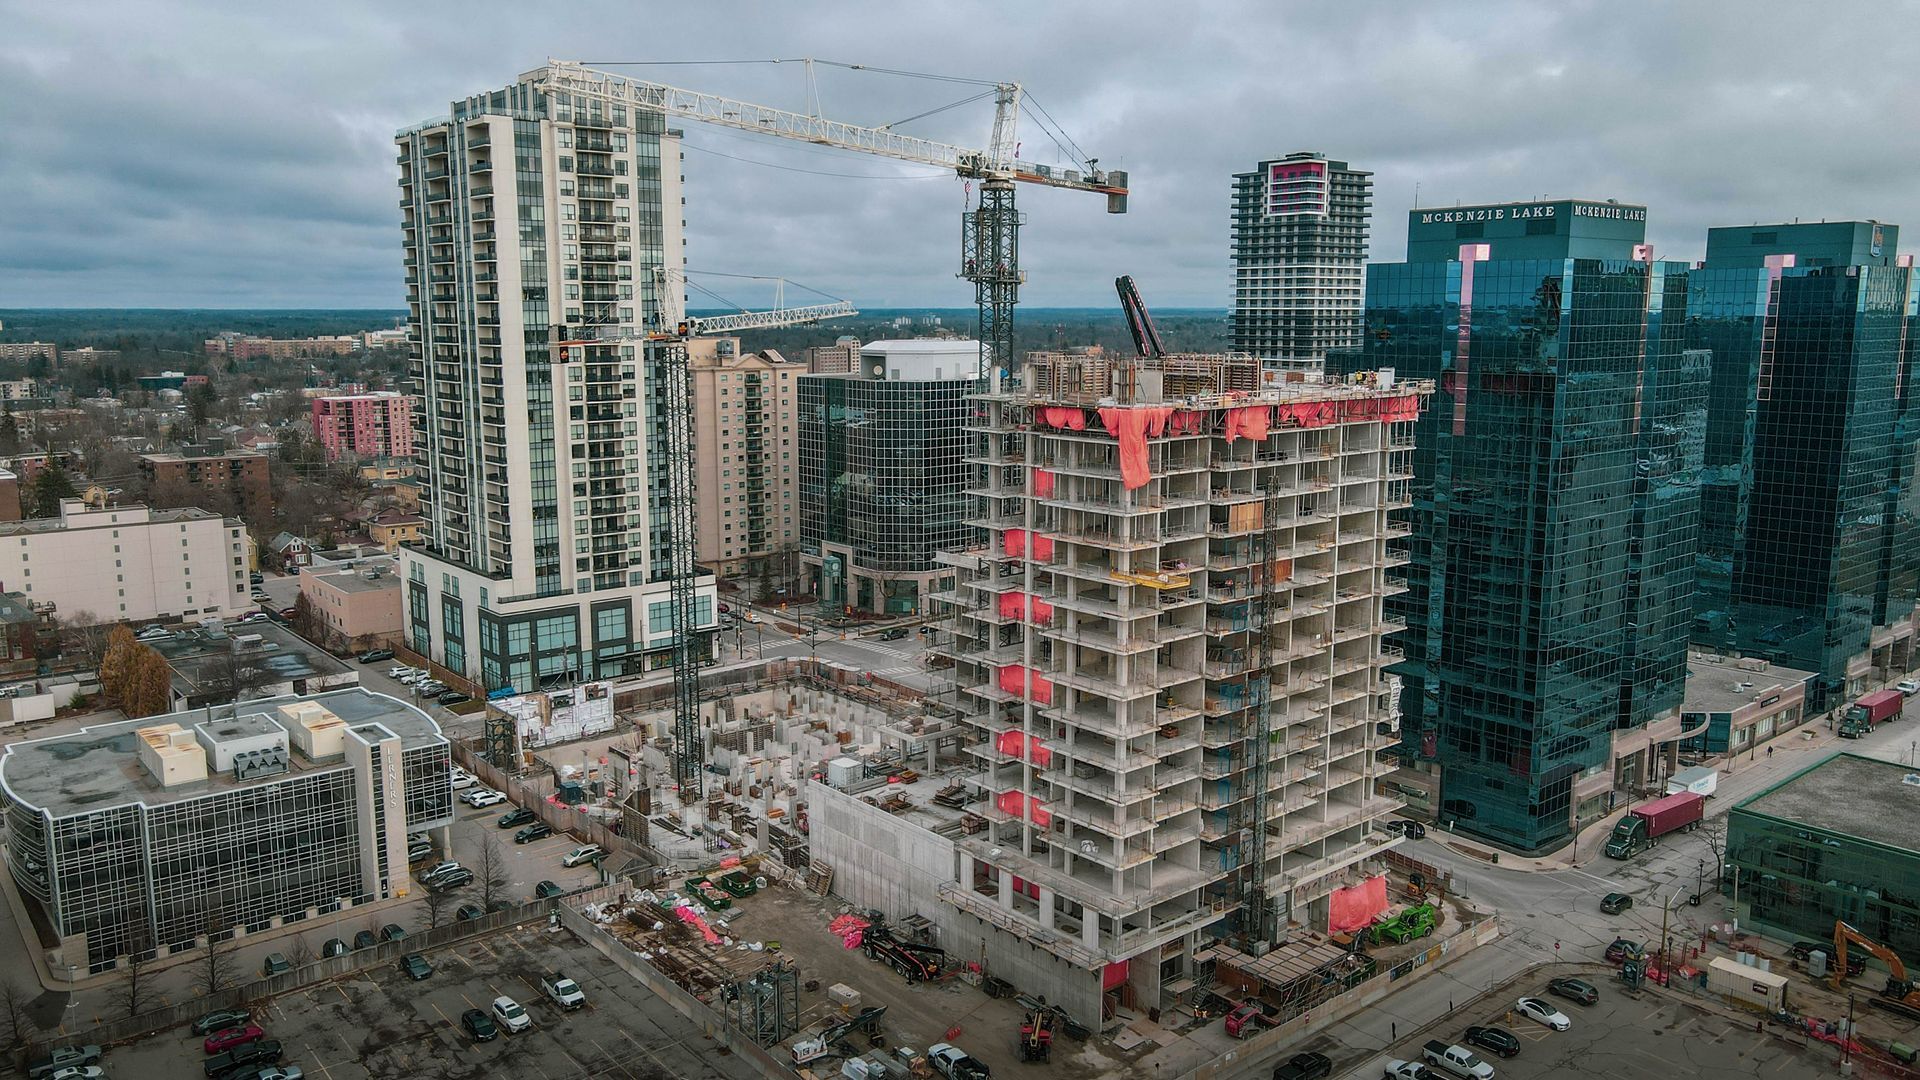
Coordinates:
(216, 959)
(437, 902)
(491, 872)
(300, 953)
(16, 1023)
(135, 990)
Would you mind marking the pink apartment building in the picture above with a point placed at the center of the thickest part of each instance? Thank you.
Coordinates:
(376, 425)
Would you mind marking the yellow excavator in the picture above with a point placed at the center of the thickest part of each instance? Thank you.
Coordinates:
(1898, 991)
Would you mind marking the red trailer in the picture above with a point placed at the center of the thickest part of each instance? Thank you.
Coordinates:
(1644, 824)
(1864, 714)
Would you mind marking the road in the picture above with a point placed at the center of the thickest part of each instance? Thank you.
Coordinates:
(902, 661)
(1554, 916)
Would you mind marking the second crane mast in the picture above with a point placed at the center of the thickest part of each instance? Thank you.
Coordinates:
(989, 233)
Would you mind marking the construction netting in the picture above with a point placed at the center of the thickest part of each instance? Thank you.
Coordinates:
(1356, 907)
(1024, 682)
(1018, 605)
(1014, 542)
(1017, 745)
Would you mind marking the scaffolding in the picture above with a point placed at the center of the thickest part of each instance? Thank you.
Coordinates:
(767, 1005)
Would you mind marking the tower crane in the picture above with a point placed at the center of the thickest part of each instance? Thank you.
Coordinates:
(989, 233)
(665, 347)
(989, 257)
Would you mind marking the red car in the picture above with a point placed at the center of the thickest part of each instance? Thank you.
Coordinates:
(222, 1041)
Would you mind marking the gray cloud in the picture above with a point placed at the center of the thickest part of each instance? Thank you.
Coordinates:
(210, 154)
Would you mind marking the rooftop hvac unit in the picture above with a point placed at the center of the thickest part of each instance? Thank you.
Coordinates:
(251, 764)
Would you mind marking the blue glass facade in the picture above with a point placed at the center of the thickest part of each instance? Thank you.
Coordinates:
(1807, 511)
(1555, 511)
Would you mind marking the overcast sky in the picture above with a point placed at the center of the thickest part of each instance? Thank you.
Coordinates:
(239, 155)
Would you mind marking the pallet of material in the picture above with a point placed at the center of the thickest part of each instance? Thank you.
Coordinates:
(953, 796)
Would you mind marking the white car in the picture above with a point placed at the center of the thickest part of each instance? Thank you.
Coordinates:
(463, 780)
(586, 853)
(510, 1014)
(482, 797)
(398, 670)
(1907, 687)
(80, 1072)
(1407, 1070)
(1535, 1009)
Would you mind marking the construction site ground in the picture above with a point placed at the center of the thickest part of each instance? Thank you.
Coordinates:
(790, 923)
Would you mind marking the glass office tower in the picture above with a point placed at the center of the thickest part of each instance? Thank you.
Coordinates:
(1555, 503)
(1807, 508)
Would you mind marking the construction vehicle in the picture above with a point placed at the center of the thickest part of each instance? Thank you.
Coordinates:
(1146, 337)
(1871, 710)
(990, 250)
(1899, 995)
(1250, 1016)
(956, 1064)
(820, 1044)
(919, 963)
(1411, 924)
(1643, 825)
(1036, 1033)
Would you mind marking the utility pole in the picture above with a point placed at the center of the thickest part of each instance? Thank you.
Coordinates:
(1846, 1042)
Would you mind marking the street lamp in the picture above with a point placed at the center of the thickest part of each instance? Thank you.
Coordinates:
(1666, 943)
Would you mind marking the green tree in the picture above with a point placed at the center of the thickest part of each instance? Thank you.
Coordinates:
(52, 485)
(200, 398)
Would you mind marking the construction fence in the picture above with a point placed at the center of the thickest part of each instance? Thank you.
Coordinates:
(327, 968)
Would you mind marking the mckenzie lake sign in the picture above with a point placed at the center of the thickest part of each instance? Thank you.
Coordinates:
(1524, 211)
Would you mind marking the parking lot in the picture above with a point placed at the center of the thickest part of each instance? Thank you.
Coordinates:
(526, 864)
(1624, 1037)
(381, 1024)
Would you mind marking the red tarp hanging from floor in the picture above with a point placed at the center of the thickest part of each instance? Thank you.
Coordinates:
(1024, 887)
(1063, 417)
(1113, 976)
(1356, 908)
(1360, 408)
(1248, 421)
(1309, 413)
(1016, 605)
(1042, 483)
(1014, 680)
(1131, 427)
(1016, 745)
(1016, 804)
(1401, 409)
(1187, 422)
(1014, 541)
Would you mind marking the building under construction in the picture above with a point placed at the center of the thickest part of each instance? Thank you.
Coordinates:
(1167, 646)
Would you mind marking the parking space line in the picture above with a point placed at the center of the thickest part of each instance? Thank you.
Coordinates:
(643, 1048)
(345, 1043)
(611, 1057)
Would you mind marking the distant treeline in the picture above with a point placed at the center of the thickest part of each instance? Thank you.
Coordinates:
(181, 330)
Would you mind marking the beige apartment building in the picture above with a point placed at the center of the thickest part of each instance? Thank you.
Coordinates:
(127, 563)
(353, 607)
(745, 471)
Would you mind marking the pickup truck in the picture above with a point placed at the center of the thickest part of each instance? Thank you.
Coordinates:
(956, 1064)
(562, 991)
(63, 1057)
(1457, 1060)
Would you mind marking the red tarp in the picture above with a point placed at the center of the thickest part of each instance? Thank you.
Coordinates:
(1187, 422)
(850, 929)
(1401, 409)
(1015, 543)
(1309, 413)
(1015, 605)
(1249, 421)
(1016, 745)
(1023, 886)
(1042, 483)
(1356, 908)
(1013, 679)
(1014, 803)
(1131, 427)
(1113, 976)
(1059, 416)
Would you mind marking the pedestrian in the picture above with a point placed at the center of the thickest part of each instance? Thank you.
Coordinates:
(1769, 751)
(1393, 1029)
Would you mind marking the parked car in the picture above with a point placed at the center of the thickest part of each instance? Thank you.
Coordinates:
(276, 964)
(334, 947)
(219, 1020)
(453, 697)
(1621, 950)
(562, 991)
(80, 1072)
(1412, 830)
(275, 1072)
(463, 781)
(415, 966)
(469, 912)
(1304, 1067)
(1534, 1008)
(1407, 1070)
(893, 633)
(222, 1041)
(510, 1014)
(583, 853)
(153, 633)
(1495, 1040)
(479, 1025)
(254, 616)
(439, 868)
(517, 816)
(547, 890)
(393, 932)
(1574, 990)
(482, 797)
(398, 671)
(374, 656)
(1615, 902)
(452, 879)
(431, 688)
(63, 1057)
(533, 832)
(365, 940)
(236, 1061)
(1907, 687)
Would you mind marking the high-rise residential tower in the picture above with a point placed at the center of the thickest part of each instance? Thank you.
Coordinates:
(1808, 554)
(525, 212)
(1299, 251)
(1555, 508)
